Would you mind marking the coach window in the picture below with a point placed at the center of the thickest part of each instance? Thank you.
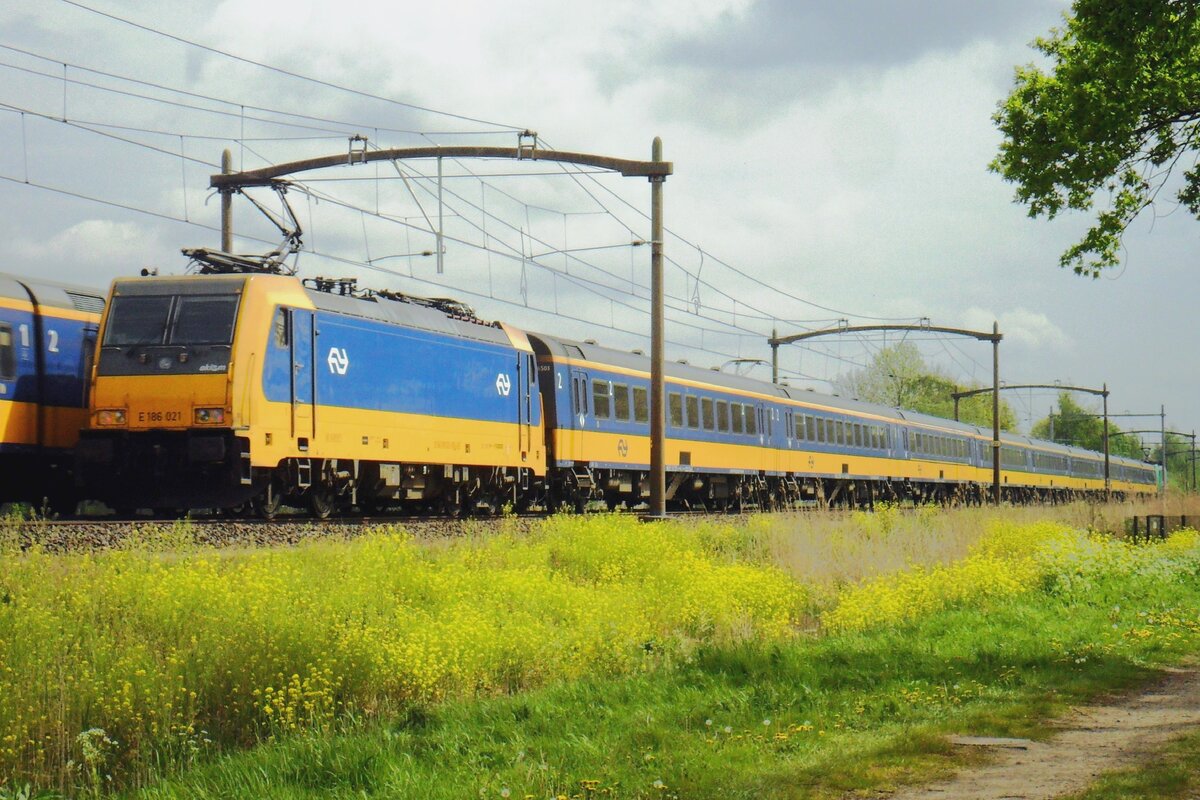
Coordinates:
(810, 425)
(858, 437)
(675, 402)
(800, 427)
(735, 412)
(641, 404)
(620, 402)
(723, 415)
(8, 357)
(693, 411)
(751, 419)
(706, 414)
(601, 399)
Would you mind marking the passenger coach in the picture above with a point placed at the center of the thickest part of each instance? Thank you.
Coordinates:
(47, 341)
(733, 442)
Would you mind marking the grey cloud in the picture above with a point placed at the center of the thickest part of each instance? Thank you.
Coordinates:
(880, 33)
(745, 68)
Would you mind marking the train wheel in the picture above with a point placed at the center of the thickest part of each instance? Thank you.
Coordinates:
(320, 502)
(267, 504)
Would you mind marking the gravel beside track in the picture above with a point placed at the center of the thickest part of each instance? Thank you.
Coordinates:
(62, 536)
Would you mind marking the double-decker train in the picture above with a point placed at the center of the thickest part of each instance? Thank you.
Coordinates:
(47, 339)
(221, 391)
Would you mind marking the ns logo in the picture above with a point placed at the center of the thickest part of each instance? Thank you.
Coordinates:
(338, 361)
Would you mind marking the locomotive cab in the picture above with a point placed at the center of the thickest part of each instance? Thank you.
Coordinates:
(162, 426)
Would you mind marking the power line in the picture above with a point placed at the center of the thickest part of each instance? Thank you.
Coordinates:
(367, 266)
(70, 124)
(763, 315)
(351, 126)
(735, 270)
(288, 73)
(760, 315)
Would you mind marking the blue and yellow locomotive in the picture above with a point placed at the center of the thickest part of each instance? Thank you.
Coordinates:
(214, 391)
(47, 340)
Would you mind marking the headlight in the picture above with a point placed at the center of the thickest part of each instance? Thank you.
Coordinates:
(110, 416)
(209, 416)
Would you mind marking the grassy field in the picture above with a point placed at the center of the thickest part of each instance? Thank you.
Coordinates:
(588, 657)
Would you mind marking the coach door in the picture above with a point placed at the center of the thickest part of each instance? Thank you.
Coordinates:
(87, 360)
(304, 375)
(526, 397)
(789, 436)
(580, 413)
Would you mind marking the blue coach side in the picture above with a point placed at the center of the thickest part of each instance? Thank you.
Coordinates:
(47, 343)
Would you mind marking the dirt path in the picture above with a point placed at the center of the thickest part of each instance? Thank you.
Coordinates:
(1094, 739)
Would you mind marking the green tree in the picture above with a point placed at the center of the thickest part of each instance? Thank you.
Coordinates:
(1110, 121)
(899, 377)
(1077, 425)
(1179, 461)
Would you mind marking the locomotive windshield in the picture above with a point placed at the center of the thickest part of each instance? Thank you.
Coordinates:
(171, 320)
(174, 332)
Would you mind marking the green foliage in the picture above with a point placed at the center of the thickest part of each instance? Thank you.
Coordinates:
(899, 377)
(1118, 109)
(1180, 465)
(1078, 425)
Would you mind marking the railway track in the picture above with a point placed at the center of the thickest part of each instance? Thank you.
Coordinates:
(85, 534)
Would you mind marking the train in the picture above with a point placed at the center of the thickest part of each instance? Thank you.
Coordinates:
(47, 341)
(250, 392)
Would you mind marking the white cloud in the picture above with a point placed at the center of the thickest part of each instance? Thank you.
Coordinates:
(1020, 326)
(90, 252)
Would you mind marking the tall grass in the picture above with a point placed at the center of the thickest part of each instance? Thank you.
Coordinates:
(138, 661)
(169, 652)
(851, 713)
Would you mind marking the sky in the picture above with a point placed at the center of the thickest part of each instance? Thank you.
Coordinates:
(830, 162)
